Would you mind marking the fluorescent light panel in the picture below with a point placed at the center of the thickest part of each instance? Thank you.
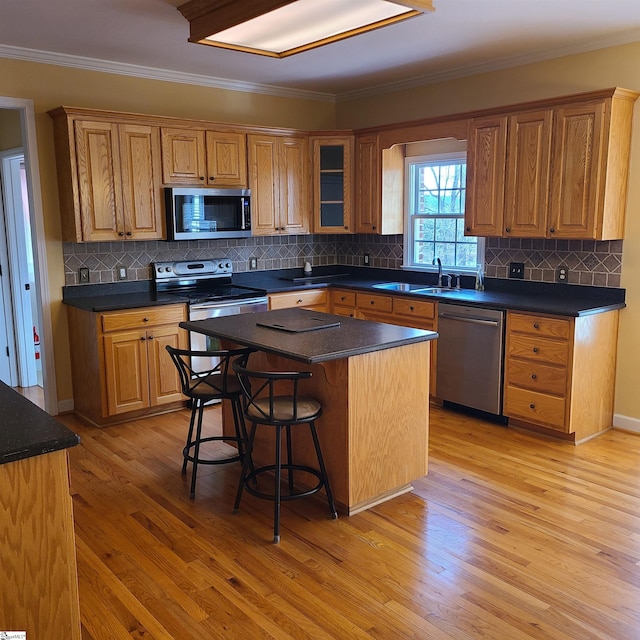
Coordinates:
(306, 24)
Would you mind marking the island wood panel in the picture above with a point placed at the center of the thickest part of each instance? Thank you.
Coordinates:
(38, 571)
(374, 425)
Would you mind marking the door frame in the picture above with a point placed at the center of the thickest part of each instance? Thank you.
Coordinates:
(38, 243)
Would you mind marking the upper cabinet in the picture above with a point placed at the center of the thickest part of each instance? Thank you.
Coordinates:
(202, 157)
(559, 172)
(379, 187)
(109, 178)
(332, 176)
(279, 181)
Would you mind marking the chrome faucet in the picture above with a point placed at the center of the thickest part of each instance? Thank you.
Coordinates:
(439, 270)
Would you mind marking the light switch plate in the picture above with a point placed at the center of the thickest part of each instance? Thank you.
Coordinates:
(253, 264)
(562, 274)
(516, 270)
(83, 275)
(122, 273)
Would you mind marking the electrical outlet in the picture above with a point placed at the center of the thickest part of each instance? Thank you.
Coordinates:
(122, 273)
(365, 260)
(516, 270)
(562, 274)
(253, 264)
(83, 275)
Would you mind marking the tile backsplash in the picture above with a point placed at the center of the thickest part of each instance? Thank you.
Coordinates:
(589, 262)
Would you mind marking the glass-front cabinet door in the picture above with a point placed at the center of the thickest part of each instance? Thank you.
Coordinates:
(332, 184)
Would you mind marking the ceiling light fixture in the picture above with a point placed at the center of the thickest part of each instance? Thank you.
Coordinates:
(280, 28)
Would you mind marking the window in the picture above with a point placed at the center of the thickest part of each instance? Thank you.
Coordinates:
(435, 216)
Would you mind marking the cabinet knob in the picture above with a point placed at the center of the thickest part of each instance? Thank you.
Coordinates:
(151, 337)
(535, 349)
(536, 325)
(532, 406)
(129, 233)
(202, 178)
(508, 229)
(212, 178)
(346, 227)
(467, 229)
(143, 338)
(411, 308)
(372, 301)
(299, 301)
(534, 376)
(374, 227)
(552, 230)
(145, 319)
(120, 233)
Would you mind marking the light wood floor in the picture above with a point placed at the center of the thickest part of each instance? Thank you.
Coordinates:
(509, 536)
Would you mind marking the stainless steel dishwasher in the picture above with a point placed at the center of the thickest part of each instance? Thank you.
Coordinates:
(470, 357)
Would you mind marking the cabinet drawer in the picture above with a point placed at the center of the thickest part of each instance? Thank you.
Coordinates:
(534, 407)
(538, 349)
(367, 301)
(537, 377)
(344, 298)
(414, 308)
(298, 299)
(141, 318)
(539, 326)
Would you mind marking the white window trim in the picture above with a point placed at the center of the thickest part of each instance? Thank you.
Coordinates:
(407, 238)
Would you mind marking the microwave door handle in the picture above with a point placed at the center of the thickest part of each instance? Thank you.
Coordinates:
(242, 205)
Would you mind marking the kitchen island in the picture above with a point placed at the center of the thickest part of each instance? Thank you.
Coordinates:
(38, 574)
(373, 382)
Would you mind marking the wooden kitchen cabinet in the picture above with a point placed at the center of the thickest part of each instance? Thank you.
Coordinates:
(566, 169)
(120, 365)
(332, 174)
(559, 372)
(280, 184)
(392, 309)
(109, 178)
(315, 299)
(379, 193)
(202, 157)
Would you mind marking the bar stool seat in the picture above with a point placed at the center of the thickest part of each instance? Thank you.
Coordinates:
(262, 406)
(216, 382)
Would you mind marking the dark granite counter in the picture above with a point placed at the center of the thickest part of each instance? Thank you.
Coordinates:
(352, 337)
(28, 430)
(555, 299)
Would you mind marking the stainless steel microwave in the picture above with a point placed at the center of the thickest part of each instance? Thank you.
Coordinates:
(205, 214)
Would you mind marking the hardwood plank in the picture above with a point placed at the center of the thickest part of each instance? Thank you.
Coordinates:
(510, 535)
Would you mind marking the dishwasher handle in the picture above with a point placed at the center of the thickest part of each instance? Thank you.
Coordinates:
(492, 323)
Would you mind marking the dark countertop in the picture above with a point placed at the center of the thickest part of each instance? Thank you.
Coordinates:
(27, 430)
(351, 338)
(537, 297)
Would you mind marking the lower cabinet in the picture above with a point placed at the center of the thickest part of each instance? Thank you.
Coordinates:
(408, 312)
(315, 299)
(120, 366)
(559, 372)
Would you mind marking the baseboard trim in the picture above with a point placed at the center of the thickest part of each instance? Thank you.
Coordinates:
(626, 423)
(65, 406)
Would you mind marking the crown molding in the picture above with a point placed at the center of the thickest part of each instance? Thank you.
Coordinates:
(152, 73)
(496, 65)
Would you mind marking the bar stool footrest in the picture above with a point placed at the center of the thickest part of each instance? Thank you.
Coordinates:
(190, 458)
(253, 476)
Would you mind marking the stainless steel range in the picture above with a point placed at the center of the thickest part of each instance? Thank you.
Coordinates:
(208, 287)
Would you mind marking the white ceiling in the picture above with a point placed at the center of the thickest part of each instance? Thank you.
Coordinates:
(462, 37)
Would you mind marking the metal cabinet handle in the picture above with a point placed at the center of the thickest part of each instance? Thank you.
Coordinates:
(212, 178)
(552, 230)
(532, 406)
(536, 325)
(151, 337)
(299, 301)
(535, 349)
(534, 376)
(411, 308)
(145, 319)
(120, 233)
(201, 177)
(143, 338)
(508, 229)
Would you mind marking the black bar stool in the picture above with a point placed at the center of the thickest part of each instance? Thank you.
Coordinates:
(216, 382)
(264, 404)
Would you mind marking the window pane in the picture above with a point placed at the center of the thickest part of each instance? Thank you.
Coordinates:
(423, 252)
(446, 230)
(424, 229)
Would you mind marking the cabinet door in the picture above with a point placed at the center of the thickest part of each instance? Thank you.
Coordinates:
(295, 203)
(576, 175)
(486, 163)
(332, 188)
(127, 382)
(164, 381)
(528, 166)
(183, 156)
(141, 182)
(264, 184)
(226, 159)
(368, 193)
(99, 182)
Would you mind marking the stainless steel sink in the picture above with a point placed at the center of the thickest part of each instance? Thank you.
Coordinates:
(406, 287)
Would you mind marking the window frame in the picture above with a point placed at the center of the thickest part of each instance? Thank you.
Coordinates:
(409, 199)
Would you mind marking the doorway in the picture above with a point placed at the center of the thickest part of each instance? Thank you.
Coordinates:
(24, 283)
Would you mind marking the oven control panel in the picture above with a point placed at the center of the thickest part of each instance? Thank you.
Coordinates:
(198, 269)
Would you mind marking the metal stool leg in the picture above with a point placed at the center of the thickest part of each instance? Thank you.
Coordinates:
(290, 458)
(189, 436)
(278, 471)
(323, 471)
(245, 466)
(196, 450)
